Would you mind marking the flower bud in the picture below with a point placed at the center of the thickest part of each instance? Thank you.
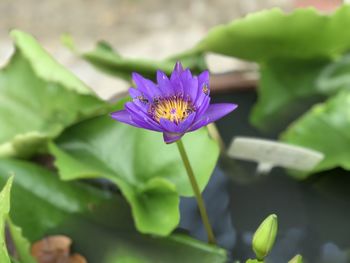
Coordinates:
(264, 237)
(253, 261)
(296, 259)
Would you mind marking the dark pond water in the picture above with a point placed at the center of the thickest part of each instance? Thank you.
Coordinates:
(314, 214)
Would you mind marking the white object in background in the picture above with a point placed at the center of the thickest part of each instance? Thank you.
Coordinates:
(6, 50)
(105, 86)
(218, 64)
(269, 154)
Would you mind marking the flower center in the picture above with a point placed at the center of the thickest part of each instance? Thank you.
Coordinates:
(174, 109)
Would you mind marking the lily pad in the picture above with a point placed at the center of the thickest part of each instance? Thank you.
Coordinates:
(105, 58)
(98, 222)
(149, 173)
(39, 193)
(39, 98)
(325, 128)
(269, 34)
(289, 87)
(294, 51)
(286, 89)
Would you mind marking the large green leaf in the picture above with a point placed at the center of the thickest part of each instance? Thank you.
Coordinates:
(38, 99)
(108, 60)
(302, 34)
(286, 89)
(100, 224)
(293, 50)
(39, 193)
(45, 66)
(289, 87)
(4, 211)
(149, 173)
(325, 128)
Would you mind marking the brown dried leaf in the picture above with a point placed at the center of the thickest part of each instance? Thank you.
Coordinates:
(55, 249)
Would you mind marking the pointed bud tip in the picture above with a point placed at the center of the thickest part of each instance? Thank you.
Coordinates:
(274, 216)
(297, 259)
(265, 236)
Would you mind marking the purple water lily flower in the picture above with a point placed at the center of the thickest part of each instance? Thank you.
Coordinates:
(173, 106)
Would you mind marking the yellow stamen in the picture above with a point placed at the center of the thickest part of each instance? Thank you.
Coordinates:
(173, 109)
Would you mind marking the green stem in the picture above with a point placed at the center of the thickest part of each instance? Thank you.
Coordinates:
(197, 192)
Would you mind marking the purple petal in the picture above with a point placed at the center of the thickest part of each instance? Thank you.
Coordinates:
(164, 84)
(145, 124)
(128, 118)
(134, 93)
(142, 104)
(176, 84)
(161, 77)
(169, 126)
(125, 117)
(171, 137)
(186, 74)
(191, 88)
(135, 109)
(198, 124)
(186, 82)
(147, 87)
(202, 95)
(203, 79)
(141, 118)
(183, 126)
(202, 105)
(213, 113)
(178, 67)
